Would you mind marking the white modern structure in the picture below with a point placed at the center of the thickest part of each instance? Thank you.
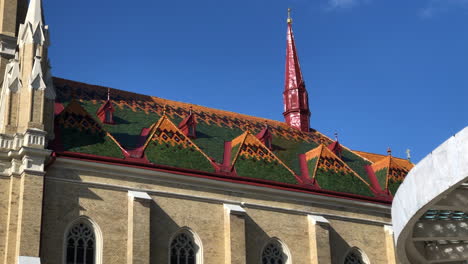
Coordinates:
(430, 209)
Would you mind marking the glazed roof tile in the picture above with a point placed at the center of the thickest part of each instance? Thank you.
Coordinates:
(141, 122)
(373, 157)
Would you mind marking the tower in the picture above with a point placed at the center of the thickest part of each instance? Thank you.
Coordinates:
(27, 97)
(295, 98)
(26, 124)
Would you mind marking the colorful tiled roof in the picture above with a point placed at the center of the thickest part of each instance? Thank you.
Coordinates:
(332, 173)
(373, 157)
(145, 130)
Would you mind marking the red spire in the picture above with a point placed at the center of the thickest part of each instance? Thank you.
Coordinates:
(293, 74)
(296, 102)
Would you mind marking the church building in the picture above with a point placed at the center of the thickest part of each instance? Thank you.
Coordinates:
(97, 175)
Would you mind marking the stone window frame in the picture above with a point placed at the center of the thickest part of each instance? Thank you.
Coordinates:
(284, 248)
(98, 243)
(196, 239)
(357, 251)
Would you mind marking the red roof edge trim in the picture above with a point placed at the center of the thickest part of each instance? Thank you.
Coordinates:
(226, 165)
(222, 177)
(303, 166)
(376, 188)
(373, 179)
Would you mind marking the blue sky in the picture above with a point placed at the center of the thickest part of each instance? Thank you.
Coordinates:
(381, 73)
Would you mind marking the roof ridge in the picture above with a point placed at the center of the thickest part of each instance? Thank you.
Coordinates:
(209, 109)
(383, 155)
(381, 164)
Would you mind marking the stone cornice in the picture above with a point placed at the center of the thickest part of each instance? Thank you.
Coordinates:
(217, 186)
(223, 201)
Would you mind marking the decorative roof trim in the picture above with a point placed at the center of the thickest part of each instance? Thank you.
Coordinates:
(124, 151)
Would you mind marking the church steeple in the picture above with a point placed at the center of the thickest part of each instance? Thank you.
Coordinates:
(296, 101)
(28, 94)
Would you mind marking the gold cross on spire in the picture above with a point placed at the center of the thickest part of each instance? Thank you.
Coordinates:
(289, 16)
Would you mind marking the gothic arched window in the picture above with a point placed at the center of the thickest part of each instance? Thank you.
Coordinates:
(274, 253)
(185, 248)
(355, 256)
(80, 244)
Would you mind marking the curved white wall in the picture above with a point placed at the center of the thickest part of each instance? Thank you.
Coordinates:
(430, 181)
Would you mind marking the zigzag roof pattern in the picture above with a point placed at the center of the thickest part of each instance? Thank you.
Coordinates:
(378, 157)
(144, 130)
(323, 165)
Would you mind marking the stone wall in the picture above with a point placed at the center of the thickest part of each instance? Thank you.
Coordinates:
(227, 237)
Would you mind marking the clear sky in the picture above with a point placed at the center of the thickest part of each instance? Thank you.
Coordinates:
(382, 73)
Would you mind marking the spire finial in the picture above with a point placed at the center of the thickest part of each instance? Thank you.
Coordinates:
(336, 136)
(34, 13)
(289, 16)
(190, 110)
(389, 151)
(408, 154)
(108, 94)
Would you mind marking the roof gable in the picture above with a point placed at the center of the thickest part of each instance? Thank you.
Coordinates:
(250, 157)
(331, 173)
(389, 173)
(78, 131)
(167, 145)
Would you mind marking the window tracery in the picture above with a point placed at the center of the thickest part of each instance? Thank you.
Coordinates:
(183, 249)
(80, 244)
(273, 254)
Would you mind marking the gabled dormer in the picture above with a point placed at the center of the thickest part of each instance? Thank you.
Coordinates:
(188, 126)
(167, 145)
(248, 157)
(331, 173)
(106, 112)
(265, 137)
(336, 147)
(391, 172)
